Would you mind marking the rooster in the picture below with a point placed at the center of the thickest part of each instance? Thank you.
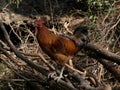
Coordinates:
(58, 47)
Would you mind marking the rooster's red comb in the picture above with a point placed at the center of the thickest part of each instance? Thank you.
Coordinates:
(39, 21)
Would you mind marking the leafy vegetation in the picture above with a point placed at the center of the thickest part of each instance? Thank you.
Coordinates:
(17, 2)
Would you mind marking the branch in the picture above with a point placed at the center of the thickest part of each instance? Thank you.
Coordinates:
(98, 52)
(18, 54)
(111, 68)
(100, 55)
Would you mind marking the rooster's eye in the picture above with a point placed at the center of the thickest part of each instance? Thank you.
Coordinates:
(38, 25)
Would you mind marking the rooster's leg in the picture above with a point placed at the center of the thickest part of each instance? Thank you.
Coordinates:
(71, 63)
(61, 74)
(54, 75)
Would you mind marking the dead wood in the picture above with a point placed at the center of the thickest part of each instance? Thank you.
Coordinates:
(111, 68)
(89, 49)
(101, 56)
(18, 54)
(98, 52)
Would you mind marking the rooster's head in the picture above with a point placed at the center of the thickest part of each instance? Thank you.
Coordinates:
(38, 23)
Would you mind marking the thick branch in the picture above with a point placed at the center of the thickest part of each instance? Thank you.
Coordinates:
(97, 52)
(18, 54)
(100, 55)
(110, 67)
